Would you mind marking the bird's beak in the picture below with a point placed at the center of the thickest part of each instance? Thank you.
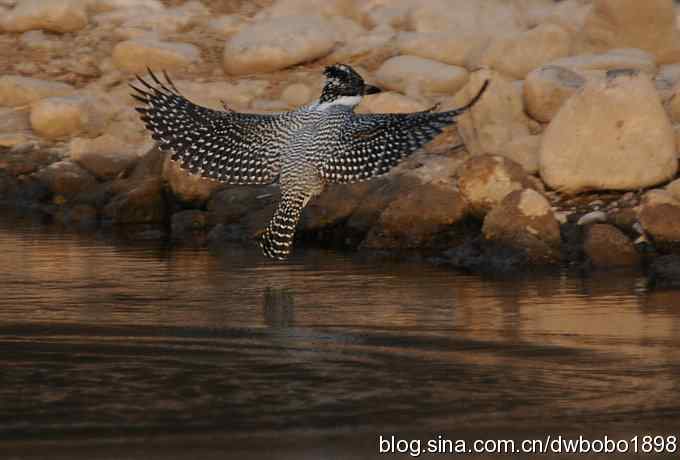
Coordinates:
(370, 89)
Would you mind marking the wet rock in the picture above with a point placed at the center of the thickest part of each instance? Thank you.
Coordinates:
(450, 48)
(390, 102)
(185, 224)
(17, 91)
(277, 43)
(665, 271)
(524, 221)
(592, 217)
(628, 23)
(546, 88)
(188, 187)
(517, 55)
(479, 256)
(231, 203)
(620, 58)
(66, 178)
(485, 180)
(105, 156)
(404, 225)
(417, 76)
(625, 219)
(606, 246)
(59, 117)
(660, 218)
(143, 203)
(55, 15)
(496, 119)
(136, 55)
(381, 193)
(612, 134)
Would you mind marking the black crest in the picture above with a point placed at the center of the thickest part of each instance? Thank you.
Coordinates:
(341, 80)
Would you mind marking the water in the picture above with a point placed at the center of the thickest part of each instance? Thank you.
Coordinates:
(119, 349)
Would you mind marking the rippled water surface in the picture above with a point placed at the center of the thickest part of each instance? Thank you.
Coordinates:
(118, 349)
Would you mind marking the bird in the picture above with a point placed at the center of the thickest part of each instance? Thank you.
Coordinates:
(303, 150)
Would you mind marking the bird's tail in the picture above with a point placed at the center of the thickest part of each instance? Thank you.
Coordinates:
(276, 241)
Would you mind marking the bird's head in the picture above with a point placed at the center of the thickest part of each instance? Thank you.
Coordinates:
(344, 86)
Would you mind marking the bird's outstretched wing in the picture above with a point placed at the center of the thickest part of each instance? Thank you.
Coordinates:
(372, 144)
(231, 147)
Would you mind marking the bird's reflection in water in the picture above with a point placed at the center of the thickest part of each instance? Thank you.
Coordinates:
(279, 307)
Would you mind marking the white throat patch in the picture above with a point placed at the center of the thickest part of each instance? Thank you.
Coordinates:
(349, 101)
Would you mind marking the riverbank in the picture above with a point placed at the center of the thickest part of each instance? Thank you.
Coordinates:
(571, 157)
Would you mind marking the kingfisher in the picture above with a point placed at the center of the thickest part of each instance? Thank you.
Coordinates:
(324, 142)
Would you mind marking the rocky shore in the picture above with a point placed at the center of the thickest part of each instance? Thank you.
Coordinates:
(570, 157)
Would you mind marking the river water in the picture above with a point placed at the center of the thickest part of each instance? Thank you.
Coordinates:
(112, 348)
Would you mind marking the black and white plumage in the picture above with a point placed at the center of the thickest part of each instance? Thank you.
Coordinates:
(305, 149)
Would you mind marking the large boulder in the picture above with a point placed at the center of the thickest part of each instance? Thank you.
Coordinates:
(417, 76)
(59, 117)
(186, 186)
(648, 25)
(598, 63)
(277, 43)
(496, 119)
(485, 180)
(390, 102)
(612, 134)
(136, 55)
(55, 15)
(524, 221)
(516, 56)
(141, 203)
(17, 91)
(546, 88)
(606, 246)
(450, 48)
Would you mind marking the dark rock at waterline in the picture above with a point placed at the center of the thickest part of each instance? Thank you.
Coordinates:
(228, 233)
(480, 256)
(665, 271)
(66, 178)
(144, 203)
(606, 246)
(22, 190)
(190, 224)
(231, 204)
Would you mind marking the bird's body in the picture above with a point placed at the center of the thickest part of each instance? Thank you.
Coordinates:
(303, 150)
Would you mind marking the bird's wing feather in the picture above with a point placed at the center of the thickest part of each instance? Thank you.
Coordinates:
(231, 147)
(372, 144)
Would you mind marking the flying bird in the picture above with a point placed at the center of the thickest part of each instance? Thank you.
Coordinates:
(303, 150)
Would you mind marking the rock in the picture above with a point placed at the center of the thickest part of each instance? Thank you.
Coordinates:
(659, 216)
(297, 94)
(14, 121)
(231, 203)
(592, 217)
(276, 44)
(496, 119)
(326, 8)
(184, 223)
(485, 181)
(105, 156)
(524, 151)
(628, 23)
(225, 26)
(665, 271)
(141, 204)
(673, 103)
(674, 189)
(389, 102)
(58, 117)
(334, 206)
(415, 76)
(136, 55)
(516, 56)
(66, 178)
(59, 16)
(486, 17)
(569, 14)
(623, 58)
(188, 187)
(16, 91)
(450, 48)
(546, 89)
(611, 134)
(606, 246)
(403, 225)
(99, 6)
(524, 221)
